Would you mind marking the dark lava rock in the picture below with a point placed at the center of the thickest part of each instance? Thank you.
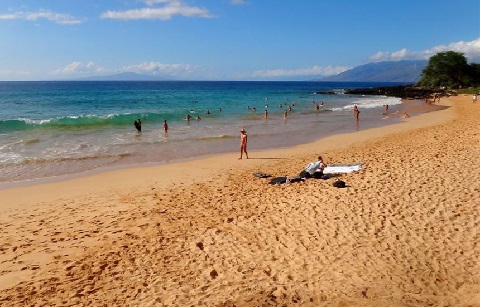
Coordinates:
(405, 92)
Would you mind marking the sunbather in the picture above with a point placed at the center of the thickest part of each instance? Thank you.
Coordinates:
(314, 169)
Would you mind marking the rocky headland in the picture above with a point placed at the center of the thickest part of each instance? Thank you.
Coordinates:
(404, 92)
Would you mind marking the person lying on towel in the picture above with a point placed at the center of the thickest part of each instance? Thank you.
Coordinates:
(314, 169)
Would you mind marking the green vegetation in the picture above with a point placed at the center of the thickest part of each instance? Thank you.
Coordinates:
(450, 70)
(469, 90)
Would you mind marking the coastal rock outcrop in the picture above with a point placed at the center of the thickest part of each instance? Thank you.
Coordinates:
(405, 92)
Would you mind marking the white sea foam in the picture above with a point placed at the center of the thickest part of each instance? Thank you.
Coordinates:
(370, 102)
(9, 145)
(10, 157)
(36, 121)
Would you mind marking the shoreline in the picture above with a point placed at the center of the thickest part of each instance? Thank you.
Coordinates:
(64, 139)
(206, 232)
(418, 110)
(137, 174)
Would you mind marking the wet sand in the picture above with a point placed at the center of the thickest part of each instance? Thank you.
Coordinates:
(405, 232)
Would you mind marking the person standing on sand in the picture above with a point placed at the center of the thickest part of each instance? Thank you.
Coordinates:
(165, 126)
(285, 114)
(266, 114)
(356, 112)
(243, 143)
(474, 97)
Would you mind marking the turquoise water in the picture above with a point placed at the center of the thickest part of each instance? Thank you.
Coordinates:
(56, 128)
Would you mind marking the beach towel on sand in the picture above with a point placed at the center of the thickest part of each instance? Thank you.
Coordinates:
(342, 168)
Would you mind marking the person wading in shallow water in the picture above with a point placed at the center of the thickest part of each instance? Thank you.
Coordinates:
(138, 125)
(356, 112)
(165, 126)
(243, 143)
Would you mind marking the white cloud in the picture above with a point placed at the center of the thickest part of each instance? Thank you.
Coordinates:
(238, 2)
(309, 71)
(156, 68)
(470, 49)
(170, 9)
(64, 19)
(78, 68)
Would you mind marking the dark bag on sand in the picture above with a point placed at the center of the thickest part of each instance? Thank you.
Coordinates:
(339, 184)
(319, 175)
(304, 174)
(278, 180)
(262, 175)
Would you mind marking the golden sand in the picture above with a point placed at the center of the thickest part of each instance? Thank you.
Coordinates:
(405, 232)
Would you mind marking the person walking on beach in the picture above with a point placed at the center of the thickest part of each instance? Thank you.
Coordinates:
(138, 125)
(356, 112)
(474, 98)
(243, 143)
(165, 126)
(285, 114)
(266, 114)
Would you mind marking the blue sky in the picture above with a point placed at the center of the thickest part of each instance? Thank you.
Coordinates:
(226, 39)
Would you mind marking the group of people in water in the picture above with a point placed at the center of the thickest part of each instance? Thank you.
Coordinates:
(138, 125)
(309, 170)
(356, 112)
(188, 117)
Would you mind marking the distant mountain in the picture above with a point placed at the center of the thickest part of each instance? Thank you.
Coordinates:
(389, 71)
(126, 76)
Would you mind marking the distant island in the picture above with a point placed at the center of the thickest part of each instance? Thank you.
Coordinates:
(395, 72)
(126, 76)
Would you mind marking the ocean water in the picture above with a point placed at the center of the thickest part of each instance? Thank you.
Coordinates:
(50, 129)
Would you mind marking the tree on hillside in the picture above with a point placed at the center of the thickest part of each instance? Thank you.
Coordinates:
(475, 74)
(448, 69)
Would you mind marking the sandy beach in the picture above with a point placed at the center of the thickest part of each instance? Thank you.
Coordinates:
(405, 232)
